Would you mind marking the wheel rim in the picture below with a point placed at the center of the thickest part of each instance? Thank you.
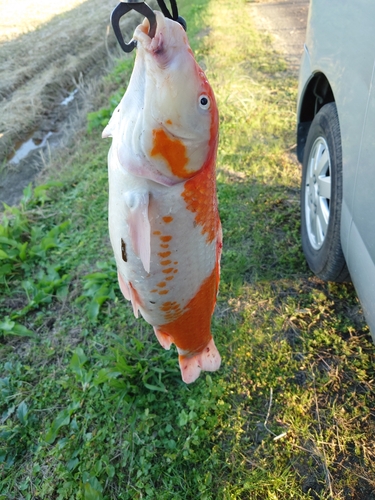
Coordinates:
(318, 193)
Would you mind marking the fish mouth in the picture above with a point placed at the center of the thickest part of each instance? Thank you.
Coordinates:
(163, 44)
(156, 44)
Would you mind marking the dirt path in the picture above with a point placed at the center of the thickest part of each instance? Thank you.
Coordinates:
(286, 21)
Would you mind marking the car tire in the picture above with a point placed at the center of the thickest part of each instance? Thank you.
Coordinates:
(321, 197)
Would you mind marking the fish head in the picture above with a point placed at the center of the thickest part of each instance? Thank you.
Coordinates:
(169, 113)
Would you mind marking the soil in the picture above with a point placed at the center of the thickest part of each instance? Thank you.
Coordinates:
(59, 125)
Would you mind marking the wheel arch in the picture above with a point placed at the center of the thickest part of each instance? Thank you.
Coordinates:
(316, 94)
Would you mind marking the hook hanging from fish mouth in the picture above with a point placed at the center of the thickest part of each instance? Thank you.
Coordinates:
(125, 6)
(122, 9)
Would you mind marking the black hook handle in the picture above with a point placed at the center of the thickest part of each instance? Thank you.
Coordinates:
(174, 15)
(123, 8)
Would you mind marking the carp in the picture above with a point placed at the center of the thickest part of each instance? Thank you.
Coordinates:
(164, 223)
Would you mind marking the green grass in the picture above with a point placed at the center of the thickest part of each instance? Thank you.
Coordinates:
(93, 408)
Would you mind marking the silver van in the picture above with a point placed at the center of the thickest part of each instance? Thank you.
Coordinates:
(336, 145)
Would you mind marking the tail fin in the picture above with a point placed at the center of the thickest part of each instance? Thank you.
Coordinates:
(208, 360)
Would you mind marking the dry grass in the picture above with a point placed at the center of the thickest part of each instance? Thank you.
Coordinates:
(40, 67)
(29, 15)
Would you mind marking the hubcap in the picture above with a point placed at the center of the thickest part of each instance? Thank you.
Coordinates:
(318, 193)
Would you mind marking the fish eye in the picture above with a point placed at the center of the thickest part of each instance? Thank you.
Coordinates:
(204, 101)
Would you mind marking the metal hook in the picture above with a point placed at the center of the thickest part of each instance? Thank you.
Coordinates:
(122, 9)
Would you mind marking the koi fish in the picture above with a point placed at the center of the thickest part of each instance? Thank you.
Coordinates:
(164, 224)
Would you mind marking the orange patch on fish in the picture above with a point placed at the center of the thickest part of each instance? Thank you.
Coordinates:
(171, 309)
(190, 331)
(168, 306)
(200, 197)
(156, 233)
(169, 278)
(200, 191)
(167, 219)
(162, 284)
(164, 245)
(165, 262)
(173, 151)
(164, 255)
(165, 238)
(163, 292)
(167, 271)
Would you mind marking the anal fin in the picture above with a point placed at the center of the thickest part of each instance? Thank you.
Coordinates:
(164, 340)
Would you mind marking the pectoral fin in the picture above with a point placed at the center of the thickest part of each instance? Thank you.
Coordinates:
(113, 124)
(139, 225)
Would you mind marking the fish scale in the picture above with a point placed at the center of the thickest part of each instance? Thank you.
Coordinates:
(163, 216)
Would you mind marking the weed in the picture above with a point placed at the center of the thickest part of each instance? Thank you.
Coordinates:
(99, 287)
